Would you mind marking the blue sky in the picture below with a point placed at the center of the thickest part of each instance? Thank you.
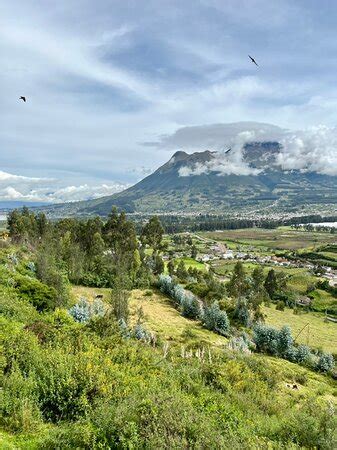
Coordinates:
(110, 83)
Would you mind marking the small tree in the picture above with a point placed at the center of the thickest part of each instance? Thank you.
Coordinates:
(285, 341)
(152, 233)
(181, 271)
(325, 362)
(190, 307)
(238, 285)
(216, 320)
(271, 283)
(170, 267)
(120, 298)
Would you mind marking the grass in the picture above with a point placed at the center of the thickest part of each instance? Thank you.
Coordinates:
(159, 316)
(322, 300)
(89, 293)
(190, 262)
(321, 334)
(281, 238)
(162, 318)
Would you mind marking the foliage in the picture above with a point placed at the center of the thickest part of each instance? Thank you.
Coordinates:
(280, 343)
(216, 320)
(84, 310)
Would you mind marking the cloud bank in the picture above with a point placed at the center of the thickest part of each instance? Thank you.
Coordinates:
(310, 150)
(30, 189)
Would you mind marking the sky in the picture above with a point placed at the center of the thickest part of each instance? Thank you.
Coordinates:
(115, 87)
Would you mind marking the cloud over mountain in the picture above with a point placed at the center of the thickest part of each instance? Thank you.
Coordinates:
(309, 150)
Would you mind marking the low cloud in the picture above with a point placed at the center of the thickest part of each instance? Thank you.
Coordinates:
(22, 188)
(310, 150)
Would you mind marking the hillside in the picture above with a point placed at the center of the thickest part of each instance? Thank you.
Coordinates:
(101, 348)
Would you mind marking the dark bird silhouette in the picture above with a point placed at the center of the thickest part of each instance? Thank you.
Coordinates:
(227, 151)
(253, 60)
(23, 98)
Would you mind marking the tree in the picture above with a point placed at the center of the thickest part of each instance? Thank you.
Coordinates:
(152, 234)
(170, 267)
(190, 307)
(181, 271)
(120, 236)
(258, 279)
(158, 265)
(238, 284)
(285, 341)
(194, 252)
(136, 263)
(120, 297)
(271, 283)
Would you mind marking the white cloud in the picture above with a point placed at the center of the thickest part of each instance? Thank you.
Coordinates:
(5, 176)
(18, 187)
(310, 150)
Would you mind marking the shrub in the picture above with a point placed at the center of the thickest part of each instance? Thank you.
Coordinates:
(303, 354)
(280, 305)
(325, 363)
(242, 313)
(238, 344)
(285, 341)
(216, 320)
(266, 339)
(140, 333)
(83, 311)
(190, 307)
(39, 294)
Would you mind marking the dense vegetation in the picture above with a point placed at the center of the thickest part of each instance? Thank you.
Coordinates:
(81, 374)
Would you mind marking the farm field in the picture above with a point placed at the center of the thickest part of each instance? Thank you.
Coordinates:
(282, 238)
(321, 334)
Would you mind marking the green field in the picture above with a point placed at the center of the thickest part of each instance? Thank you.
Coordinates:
(282, 238)
(320, 334)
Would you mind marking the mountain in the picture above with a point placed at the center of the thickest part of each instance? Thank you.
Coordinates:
(205, 182)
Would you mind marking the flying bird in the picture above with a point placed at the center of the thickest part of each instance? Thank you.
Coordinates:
(227, 151)
(253, 60)
(23, 98)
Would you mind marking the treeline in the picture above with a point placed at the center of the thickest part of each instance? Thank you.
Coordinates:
(90, 252)
(208, 222)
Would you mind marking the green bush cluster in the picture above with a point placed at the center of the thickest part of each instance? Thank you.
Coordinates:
(280, 343)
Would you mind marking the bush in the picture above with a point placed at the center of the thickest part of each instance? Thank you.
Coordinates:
(19, 409)
(43, 297)
(216, 320)
(280, 343)
(303, 354)
(280, 305)
(83, 311)
(325, 363)
(238, 344)
(190, 307)
(140, 333)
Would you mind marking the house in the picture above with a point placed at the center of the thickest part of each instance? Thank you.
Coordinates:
(228, 255)
(304, 301)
